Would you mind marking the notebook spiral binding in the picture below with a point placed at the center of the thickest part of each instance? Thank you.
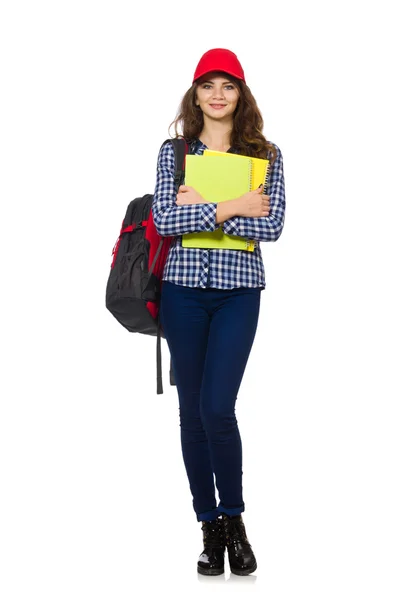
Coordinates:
(266, 179)
(252, 244)
(250, 174)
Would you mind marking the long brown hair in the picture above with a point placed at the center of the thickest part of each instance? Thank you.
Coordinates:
(246, 136)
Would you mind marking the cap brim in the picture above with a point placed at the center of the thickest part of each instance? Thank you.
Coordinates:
(218, 71)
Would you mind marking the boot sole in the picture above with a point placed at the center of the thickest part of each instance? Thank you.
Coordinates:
(203, 571)
(244, 571)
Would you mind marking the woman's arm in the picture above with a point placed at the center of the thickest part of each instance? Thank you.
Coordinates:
(264, 229)
(169, 218)
(225, 209)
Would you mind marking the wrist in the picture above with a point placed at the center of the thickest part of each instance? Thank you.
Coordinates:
(226, 210)
(235, 207)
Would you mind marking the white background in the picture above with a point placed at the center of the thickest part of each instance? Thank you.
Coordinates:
(95, 500)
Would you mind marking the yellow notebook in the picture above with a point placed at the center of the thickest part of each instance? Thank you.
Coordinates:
(260, 167)
(217, 180)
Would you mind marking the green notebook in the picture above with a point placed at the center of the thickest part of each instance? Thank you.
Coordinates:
(260, 166)
(218, 179)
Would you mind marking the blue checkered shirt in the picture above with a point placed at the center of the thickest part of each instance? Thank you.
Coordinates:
(217, 268)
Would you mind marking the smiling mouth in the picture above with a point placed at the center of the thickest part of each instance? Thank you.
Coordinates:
(217, 105)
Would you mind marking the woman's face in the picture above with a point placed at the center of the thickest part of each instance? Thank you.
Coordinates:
(217, 97)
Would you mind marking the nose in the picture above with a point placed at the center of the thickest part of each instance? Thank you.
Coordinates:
(218, 94)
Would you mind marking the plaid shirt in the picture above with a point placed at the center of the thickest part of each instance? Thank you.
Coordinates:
(217, 268)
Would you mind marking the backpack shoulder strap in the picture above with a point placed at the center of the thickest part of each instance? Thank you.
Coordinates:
(181, 148)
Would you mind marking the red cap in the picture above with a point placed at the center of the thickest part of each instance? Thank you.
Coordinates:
(219, 59)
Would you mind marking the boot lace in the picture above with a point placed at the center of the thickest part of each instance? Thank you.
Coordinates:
(213, 537)
(235, 531)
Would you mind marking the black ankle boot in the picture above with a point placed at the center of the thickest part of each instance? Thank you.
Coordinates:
(241, 557)
(212, 559)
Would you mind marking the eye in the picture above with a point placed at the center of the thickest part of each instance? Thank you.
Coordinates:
(229, 86)
(206, 86)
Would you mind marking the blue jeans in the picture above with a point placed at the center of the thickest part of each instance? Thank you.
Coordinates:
(210, 333)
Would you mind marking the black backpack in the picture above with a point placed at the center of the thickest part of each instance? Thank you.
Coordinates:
(133, 290)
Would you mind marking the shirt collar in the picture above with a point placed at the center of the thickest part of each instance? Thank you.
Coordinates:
(198, 147)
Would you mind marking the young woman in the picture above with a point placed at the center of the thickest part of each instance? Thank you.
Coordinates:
(210, 299)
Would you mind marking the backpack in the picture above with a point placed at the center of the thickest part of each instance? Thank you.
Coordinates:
(133, 290)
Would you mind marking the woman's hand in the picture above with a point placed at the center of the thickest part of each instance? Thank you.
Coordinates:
(188, 195)
(253, 204)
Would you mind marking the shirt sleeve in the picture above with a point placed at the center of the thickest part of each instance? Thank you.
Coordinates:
(264, 229)
(169, 218)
